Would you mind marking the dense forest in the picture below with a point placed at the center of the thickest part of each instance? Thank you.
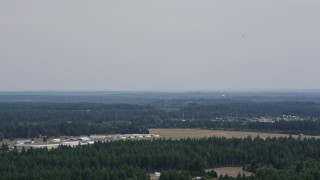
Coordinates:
(160, 98)
(55, 119)
(309, 127)
(283, 158)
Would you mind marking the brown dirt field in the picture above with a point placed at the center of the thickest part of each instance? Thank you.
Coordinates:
(231, 171)
(153, 176)
(198, 133)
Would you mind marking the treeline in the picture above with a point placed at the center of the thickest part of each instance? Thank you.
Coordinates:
(50, 129)
(308, 127)
(38, 112)
(243, 110)
(295, 127)
(63, 112)
(54, 119)
(26, 120)
(283, 158)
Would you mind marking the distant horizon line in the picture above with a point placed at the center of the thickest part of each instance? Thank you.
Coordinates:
(169, 91)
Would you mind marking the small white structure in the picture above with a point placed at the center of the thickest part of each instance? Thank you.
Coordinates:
(158, 174)
(84, 138)
(109, 137)
(24, 141)
(116, 137)
(49, 146)
(139, 136)
(56, 140)
(300, 137)
(90, 142)
(155, 135)
(71, 143)
(98, 137)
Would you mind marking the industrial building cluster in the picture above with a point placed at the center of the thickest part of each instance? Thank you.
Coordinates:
(79, 141)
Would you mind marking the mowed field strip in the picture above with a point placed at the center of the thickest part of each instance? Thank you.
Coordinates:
(230, 171)
(199, 133)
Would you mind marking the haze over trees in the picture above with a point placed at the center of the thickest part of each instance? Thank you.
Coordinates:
(282, 158)
(72, 119)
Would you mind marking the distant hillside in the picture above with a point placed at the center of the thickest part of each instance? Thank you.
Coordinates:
(161, 97)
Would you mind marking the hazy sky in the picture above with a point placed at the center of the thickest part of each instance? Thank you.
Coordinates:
(159, 45)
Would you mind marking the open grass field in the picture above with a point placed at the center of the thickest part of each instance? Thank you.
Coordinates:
(199, 133)
(230, 171)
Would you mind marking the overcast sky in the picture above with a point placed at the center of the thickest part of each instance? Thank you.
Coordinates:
(159, 45)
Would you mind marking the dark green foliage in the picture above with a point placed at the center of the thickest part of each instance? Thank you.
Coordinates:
(283, 158)
(175, 175)
(212, 174)
(71, 129)
(4, 148)
(22, 120)
(25, 120)
(251, 109)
